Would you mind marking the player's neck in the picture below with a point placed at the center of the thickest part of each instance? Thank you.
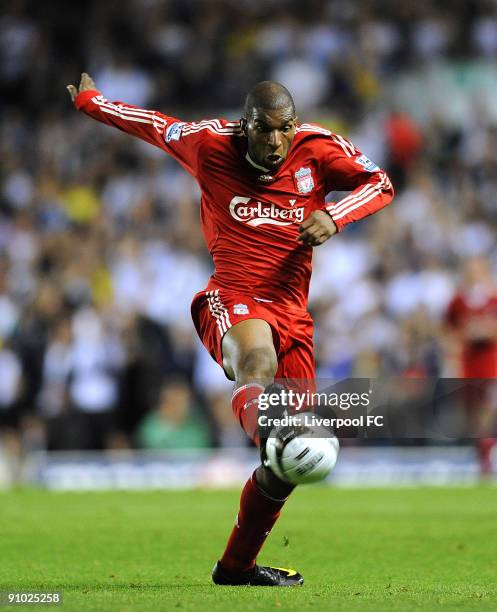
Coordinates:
(252, 163)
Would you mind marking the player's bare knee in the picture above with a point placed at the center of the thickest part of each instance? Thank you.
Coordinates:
(258, 363)
(249, 353)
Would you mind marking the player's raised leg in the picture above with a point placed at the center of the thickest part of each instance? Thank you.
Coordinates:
(250, 358)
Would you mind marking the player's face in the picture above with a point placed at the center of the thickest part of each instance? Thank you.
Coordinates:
(270, 134)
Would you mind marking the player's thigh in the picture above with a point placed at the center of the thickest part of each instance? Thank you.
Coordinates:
(297, 361)
(248, 349)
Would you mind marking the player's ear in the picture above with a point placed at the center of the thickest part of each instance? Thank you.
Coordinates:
(243, 125)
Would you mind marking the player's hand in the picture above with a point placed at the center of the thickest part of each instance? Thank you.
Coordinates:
(86, 84)
(317, 228)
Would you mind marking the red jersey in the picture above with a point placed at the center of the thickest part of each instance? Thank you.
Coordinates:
(251, 217)
(467, 311)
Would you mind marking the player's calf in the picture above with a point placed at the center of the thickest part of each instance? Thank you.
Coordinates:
(258, 363)
(258, 512)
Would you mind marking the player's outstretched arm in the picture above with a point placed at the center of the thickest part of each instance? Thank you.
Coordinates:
(146, 124)
(347, 169)
(152, 126)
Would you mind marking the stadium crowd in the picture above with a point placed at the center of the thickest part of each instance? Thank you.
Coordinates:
(100, 245)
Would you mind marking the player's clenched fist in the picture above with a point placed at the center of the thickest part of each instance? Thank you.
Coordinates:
(317, 228)
(85, 84)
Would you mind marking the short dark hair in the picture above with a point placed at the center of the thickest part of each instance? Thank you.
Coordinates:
(268, 95)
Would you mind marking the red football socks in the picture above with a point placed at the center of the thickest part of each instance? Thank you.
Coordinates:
(256, 517)
(258, 512)
(245, 408)
(484, 448)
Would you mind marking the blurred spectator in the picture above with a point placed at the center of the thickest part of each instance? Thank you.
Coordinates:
(10, 386)
(227, 432)
(404, 141)
(122, 80)
(176, 422)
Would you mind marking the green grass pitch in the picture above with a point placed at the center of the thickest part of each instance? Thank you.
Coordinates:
(370, 549)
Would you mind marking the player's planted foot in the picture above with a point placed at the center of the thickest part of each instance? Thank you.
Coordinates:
(258, 576)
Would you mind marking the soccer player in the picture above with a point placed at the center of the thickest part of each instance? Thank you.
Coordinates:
(472, 319)
(264, 180)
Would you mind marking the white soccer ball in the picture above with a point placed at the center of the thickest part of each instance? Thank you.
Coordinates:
(302, 454)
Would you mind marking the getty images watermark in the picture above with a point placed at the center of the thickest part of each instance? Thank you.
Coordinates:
(445, 409)
(293, 408)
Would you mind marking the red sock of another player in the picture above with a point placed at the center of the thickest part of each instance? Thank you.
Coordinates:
(484, 447)
(258, 513)
(245, 407)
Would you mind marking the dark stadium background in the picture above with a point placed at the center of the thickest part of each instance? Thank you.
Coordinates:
(100, 245)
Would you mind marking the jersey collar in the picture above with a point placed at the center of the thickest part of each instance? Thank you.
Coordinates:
(252, 163)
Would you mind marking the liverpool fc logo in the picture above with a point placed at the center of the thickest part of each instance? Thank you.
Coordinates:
(240, 309)
(305, 182)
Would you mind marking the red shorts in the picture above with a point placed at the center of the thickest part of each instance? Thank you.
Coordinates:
(215, 312)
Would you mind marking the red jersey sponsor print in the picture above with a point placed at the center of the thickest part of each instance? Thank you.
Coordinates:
(250, 217)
